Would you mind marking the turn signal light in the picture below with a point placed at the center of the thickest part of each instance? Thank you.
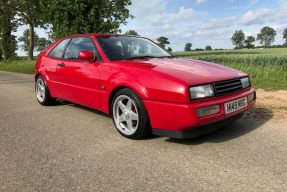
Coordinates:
(205, 111)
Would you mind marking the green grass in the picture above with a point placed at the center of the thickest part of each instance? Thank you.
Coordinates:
(18, 66)
(244, 56)
(272, 77)
(267, 68)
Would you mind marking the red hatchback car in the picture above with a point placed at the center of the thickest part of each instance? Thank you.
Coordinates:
(143, 87)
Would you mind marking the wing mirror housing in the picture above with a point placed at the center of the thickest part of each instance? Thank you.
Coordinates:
(86, 55)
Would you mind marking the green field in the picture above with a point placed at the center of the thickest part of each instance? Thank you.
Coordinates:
(267, 68)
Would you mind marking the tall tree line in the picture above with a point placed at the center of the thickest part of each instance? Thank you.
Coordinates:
(266, 37)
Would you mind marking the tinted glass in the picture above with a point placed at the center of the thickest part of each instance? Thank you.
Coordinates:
(125, 47)
(58, 51)
(78, 44)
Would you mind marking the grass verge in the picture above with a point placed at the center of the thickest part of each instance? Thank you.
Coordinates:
(18, 66)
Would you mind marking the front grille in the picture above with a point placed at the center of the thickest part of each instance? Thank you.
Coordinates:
(227, 87)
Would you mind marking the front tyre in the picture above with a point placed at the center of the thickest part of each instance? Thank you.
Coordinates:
(42, 92)
(130, 115)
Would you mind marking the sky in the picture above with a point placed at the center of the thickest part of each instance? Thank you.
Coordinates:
(201, 22)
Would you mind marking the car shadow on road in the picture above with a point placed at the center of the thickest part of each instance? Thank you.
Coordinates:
(252, 120)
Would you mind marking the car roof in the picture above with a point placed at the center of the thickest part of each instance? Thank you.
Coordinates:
(97, 34)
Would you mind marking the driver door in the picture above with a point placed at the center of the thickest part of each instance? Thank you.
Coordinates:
(79, 80)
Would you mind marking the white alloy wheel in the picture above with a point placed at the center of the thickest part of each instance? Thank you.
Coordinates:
(125, 115)
(40, 90)
(130, 115)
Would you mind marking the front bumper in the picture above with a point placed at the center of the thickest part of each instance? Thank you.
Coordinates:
(196, 131)
(168, 118)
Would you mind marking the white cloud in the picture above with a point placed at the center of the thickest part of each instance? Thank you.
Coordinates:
(184, 15)
(282, 13)
(201, 1)
(258, 16)
(157, 21)
(279, 28)
(140, 8)
(250, 33)
(219, 23)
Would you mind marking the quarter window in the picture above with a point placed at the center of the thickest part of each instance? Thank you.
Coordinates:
(58, 51)
(78, 44)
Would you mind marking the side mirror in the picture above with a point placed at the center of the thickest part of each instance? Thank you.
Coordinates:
(86, 55)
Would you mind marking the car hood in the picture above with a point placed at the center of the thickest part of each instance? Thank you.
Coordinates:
(188, 70)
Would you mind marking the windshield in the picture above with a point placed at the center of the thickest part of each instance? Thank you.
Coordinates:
(126, 47)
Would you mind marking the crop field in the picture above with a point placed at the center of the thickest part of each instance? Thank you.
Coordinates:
(267, 68)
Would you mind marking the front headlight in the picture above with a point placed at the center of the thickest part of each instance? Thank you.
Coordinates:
(245, 82)
(202, 91)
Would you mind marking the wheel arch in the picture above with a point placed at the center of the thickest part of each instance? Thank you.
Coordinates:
(37, 75)
(138, 90)
(42, 73)
(112, 94)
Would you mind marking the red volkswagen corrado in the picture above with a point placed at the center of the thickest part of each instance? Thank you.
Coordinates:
(142, 86)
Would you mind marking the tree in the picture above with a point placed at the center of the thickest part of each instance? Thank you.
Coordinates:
(187, 47)
(169, 49)
(208, 48)
(25, 40)
(162, 41)
(132, 32)
(248, 42)
(237, 39)
(285, 36)
(0, 51)
(42, 43)
(0, 45)
(7, 26)
(39, 43)
(266, 36)
(27, 12)
(85, 16)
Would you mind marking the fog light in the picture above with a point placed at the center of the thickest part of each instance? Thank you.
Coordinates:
(205, 111)
(251, 97)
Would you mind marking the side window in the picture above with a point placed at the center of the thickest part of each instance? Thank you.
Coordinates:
(78, 44)
(58, 51)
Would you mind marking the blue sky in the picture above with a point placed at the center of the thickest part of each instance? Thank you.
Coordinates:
(202, 22)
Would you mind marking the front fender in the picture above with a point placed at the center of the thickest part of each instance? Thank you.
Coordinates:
(119, 81)
(130, 82)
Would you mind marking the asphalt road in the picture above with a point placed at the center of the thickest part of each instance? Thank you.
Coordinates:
(72, 148)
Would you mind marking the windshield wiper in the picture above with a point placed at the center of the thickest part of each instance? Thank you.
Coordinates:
(170, 56)
(141, 57)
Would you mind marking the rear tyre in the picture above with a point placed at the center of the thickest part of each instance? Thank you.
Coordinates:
(129, 114)
(42, 92)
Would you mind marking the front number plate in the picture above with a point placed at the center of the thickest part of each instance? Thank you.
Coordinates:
(235, 105)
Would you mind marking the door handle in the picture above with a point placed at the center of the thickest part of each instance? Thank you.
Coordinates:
(61, 64)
